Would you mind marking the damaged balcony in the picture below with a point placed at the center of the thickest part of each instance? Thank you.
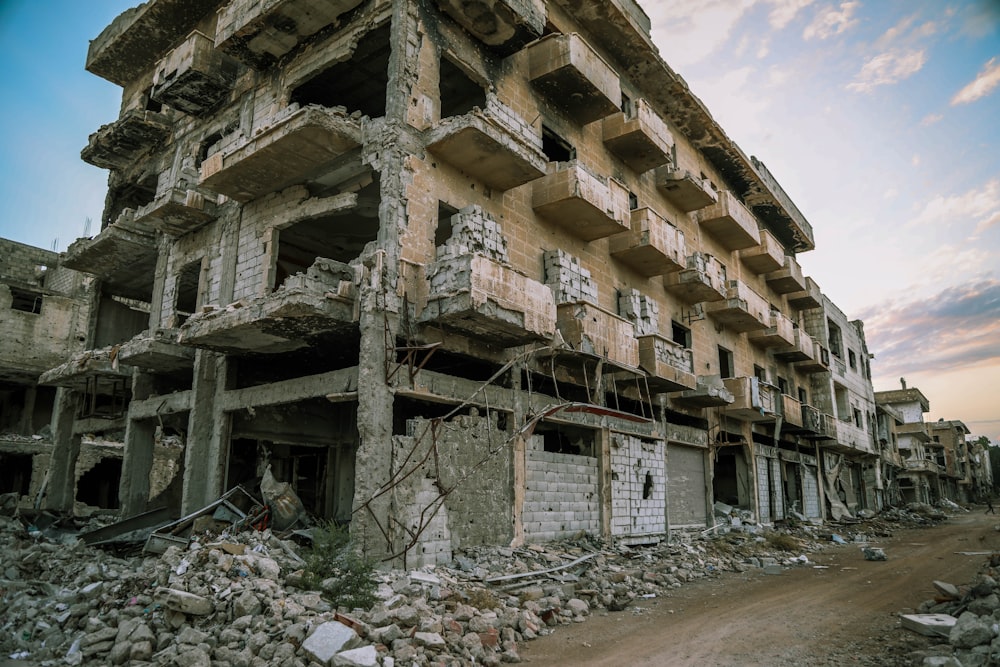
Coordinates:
(573, 77)
(500, 149)
(119, 144)
(670, 365)
(808, 422)
(788, 278)
(480, 297)
(298, 146)
(639, 139)
(194, 77)
(848, 438)
(157, 351)
(819, 362)
(802, 348)
(685, 190)
(915, 430)
(779, 335)
(753, 400)
(742, 309)
(730, 222)
(810, 297)
(594, 331)
(123, 256)
(791, 413)
(87, 369)
(505, 27)
(704, 280)
(307, 308)
(709, 392)
(258, 32)
(586, 206)
(177, 211)
(766, 257)
(654, 247)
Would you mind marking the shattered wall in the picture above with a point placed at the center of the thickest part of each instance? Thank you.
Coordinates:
(638, 487)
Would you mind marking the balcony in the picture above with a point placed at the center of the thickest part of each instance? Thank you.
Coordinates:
(588, 207)
(592, 330)
(753, 400)
(787, 279)
(640, 140)
(88, 369)
(119, 144)
(669, 364)
(802, 349)
(816, 425)
(849, 438)
(704, 280)
(792, 413)
(819, 362)
(123, 256)
(685, 190)
(709, 392)
(297, 146)
(730, 222)
(922, 465)
(505, 27)
(808, 298)
(500, 149)
(779, 335)
(194, 77)
(258, 32)
(479, 297)
(741, 310)
(565, 70)
(157, 351)
(138, 37)
(916, 430)
(768, 256)
(312, 309)
(177, 211)
(654, 247)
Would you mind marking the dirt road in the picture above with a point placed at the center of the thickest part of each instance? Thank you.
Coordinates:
(843, 614)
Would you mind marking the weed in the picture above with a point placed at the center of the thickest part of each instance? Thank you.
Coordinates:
(483, 599)
(784, 542)
(332, 567)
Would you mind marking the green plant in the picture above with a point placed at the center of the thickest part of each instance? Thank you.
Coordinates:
(344, 577)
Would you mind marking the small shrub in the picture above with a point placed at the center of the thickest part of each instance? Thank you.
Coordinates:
(333, 568)
(783, 542)
(483, 599)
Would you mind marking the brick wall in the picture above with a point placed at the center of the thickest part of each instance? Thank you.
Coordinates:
(638, 486)
(561, 497)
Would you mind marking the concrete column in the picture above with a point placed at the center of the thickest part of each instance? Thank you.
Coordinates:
(27, 423)
(137, 461)
(65, 450)
(208, 433)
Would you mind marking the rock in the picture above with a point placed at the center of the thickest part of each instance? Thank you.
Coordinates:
(366, 656)
(985, 606)
(970, 630)
(429, 639)
(947, 590)
(185, 602)
(874, 553)
(329, 639)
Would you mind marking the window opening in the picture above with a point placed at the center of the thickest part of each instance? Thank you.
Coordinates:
(633, 201)
(725, 362)
(783, 385)
(852, 359)
(556, 148)
(627, 107)
(458, 93)
(187, 291)
(803, 396)
(561, 439)
(835, 339)
(99, 485)
(26, 301)
(759, 373)
(443, 231)
(15, 473)
(680, 334)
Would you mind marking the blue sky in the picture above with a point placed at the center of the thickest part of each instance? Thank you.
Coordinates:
(878, 117)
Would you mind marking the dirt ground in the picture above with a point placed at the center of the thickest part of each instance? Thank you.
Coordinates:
(845, 613)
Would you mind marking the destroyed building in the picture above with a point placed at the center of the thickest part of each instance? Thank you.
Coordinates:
(460, 276)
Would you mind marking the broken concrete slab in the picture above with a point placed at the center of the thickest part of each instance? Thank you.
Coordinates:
(931, 625)
(328, 640)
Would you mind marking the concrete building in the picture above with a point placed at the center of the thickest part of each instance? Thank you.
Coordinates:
(459, 278)
(923, 462)
(948, 438)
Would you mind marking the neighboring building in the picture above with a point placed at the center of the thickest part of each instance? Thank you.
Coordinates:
(948, 437)
(923, 462)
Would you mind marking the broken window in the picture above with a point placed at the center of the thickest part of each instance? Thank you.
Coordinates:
(852, 359)
(725, 362)
(843, 405)
(626, 107)
(187, 291)
(562, 439)
(458, 93)
(443, 230)
(803, 396)
(759, 373)
(358, 83)
(857, 418)
(27, 301)
(835, 339)
(783, 385)
(104, 397)
(680, 334)
(633, 201)
(556, 148)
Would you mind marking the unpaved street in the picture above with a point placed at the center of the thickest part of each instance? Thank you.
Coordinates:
(845, 614)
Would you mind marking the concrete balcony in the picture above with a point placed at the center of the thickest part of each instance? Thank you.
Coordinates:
(704, 280)
(500, 149)
(819, 362)
(122, 256)
(297, 146)
(138, 37)
(157, 351)
(687, 191)
(489, 301)
(779, 335)
(588, 207)
(565, 70)
(730, 222)
(766, 257)
(592, 330)
(810, 297)
(669, 364)
(654, 247)
(709, 392)
(119, 144)
(177, 211)
(787, 279)
(640, 140)
(791, 413)
(753, 400)
(922, 465)
(742, 309)
(849, 439)
(194, 77)
(916, 430)
(258, 32)
(505, 27)
(802, 349)
(808, 422)
(315, 308)
(86, 369)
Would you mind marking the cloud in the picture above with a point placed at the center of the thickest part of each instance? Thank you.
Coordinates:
(783, 12)
(832, 21)
(887, 68)
(984, 83)
(930, 119)
(978, 205)
(957, 327)
(688, 31)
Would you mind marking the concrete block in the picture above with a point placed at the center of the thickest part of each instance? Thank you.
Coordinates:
(329, 639)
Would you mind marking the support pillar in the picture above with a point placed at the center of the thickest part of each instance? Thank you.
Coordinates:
(65, 450)
(137, 459)
(208, 433)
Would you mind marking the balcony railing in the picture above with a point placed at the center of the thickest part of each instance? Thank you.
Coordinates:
(593, 330)
(819, 362)
(742, 310)
(709, 391)
(586, 206)
(704, 280)
(802, 348)
(792, 411)
(788, 279)
(730, 222)
(640, 140)
(573, 77)
(810, 297)
(653, 247)
(685, 190)
(780, 335)
(753, 400)
(768, 256)
(669, 364)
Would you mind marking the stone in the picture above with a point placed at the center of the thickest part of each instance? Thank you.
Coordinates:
(184, 602)
(985, 606)
(365, 656)
(947, 590)
(931, 625)
(874, 553)
(970, 630)
(329, 639)
(429, 639)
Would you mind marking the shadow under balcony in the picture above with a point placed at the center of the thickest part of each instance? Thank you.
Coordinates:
(117, 145)
(157, 351)
(653, 247)
(586, 206)
(299, 145)
(685, 190)
(766, 257)
(753, 400)
(177, 211)
(479, 297)
(506, 27)
(122, 256)
(194, 77)
(779, 335)
(709, 392)
(702, 281)
(477, 143)
(640, 140)
(741, 310)
(670, 365)
(730, 222)
(565, 70)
